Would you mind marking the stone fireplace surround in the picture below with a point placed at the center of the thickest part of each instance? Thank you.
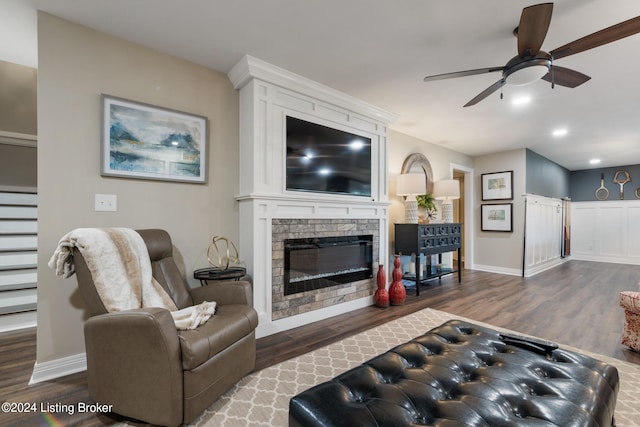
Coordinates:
(267, 211)
(290, 305)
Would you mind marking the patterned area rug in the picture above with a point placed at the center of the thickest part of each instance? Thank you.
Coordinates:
(262, 398)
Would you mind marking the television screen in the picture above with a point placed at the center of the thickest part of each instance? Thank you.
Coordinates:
(322, 159)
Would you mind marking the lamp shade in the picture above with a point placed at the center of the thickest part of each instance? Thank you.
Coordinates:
(411, 184)
(447, 189)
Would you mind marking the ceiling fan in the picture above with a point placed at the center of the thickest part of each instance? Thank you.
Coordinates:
(531, 63)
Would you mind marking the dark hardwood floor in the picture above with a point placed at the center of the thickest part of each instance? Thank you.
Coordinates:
(574, 304)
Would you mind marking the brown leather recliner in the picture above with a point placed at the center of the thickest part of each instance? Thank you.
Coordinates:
(138, 362)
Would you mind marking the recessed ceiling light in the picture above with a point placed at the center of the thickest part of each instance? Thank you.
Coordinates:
(521, 100)
(560, 132)
(594, 161)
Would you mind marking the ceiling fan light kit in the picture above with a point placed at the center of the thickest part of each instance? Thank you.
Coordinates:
(521, 72)
(532, 64)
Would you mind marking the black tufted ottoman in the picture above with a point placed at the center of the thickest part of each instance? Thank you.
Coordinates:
(464, 374)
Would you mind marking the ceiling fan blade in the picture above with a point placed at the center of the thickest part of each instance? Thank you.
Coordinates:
(565, 77)
(488, 91)
(463, 73)
(608, 35)
(534, 23)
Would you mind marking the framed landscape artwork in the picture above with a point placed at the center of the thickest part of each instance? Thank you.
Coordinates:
(497, 217)
(148, 142)
(497, 186)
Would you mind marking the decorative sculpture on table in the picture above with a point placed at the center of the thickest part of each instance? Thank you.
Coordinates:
(224, 264)
(397, 292)
(224, 259)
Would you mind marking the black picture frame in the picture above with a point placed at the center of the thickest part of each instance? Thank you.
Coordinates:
(497, 186)
(497, 217)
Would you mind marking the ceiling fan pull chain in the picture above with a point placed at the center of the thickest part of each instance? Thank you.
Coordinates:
(501, 95)
(553, 75)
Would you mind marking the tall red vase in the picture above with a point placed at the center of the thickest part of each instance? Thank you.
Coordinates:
(381, 296)
(397, 292)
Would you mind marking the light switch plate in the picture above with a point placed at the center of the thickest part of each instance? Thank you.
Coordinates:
(106, 203)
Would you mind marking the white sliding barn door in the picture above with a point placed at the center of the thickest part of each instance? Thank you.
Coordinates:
(543, 234)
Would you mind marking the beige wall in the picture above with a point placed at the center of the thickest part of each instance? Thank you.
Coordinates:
(441, 160)
(18, 98)
(499, 251)
(17, 166)
(17, 116)
(76, 65)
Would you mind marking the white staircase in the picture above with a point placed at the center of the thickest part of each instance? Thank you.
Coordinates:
(18, 258)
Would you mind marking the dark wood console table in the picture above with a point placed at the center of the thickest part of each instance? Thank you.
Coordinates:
(429, 239)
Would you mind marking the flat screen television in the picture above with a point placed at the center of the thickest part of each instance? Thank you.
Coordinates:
(326, 160)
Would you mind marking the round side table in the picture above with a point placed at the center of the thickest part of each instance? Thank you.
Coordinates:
(215, 273)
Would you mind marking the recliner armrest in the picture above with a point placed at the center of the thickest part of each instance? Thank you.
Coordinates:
(224, 292)
(134, 363)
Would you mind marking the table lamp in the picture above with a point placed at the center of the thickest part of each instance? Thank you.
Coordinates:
(411, 185)
(447, 190)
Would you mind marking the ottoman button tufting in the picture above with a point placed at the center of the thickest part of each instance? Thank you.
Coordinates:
(463, 374)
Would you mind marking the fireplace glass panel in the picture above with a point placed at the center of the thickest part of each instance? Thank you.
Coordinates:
(315, 263)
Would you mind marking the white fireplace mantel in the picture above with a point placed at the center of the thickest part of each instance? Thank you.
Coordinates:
(249, 68)
(267, 95)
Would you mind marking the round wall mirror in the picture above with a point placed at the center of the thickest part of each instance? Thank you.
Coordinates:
(416, 163)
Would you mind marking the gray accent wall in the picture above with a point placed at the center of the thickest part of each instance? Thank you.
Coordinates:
(546, 178)
(585, 182)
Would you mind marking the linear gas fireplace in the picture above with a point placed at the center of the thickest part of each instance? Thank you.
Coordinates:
(320, 262)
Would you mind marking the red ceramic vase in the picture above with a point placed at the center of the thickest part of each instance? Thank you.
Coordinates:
(381, 296)
(397, 292)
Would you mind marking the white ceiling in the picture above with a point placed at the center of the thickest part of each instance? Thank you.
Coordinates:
(380, 50)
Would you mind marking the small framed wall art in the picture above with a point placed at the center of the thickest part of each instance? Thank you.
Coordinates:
(497, 217)
(497, 186)
(148, 142)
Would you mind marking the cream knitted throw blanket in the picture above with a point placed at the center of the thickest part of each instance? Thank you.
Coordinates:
(121, 270)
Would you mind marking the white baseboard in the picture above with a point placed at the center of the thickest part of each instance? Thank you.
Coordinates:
(604, 258)
(270, 328)
(57, 368)
(498, 270)
(529, 272)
